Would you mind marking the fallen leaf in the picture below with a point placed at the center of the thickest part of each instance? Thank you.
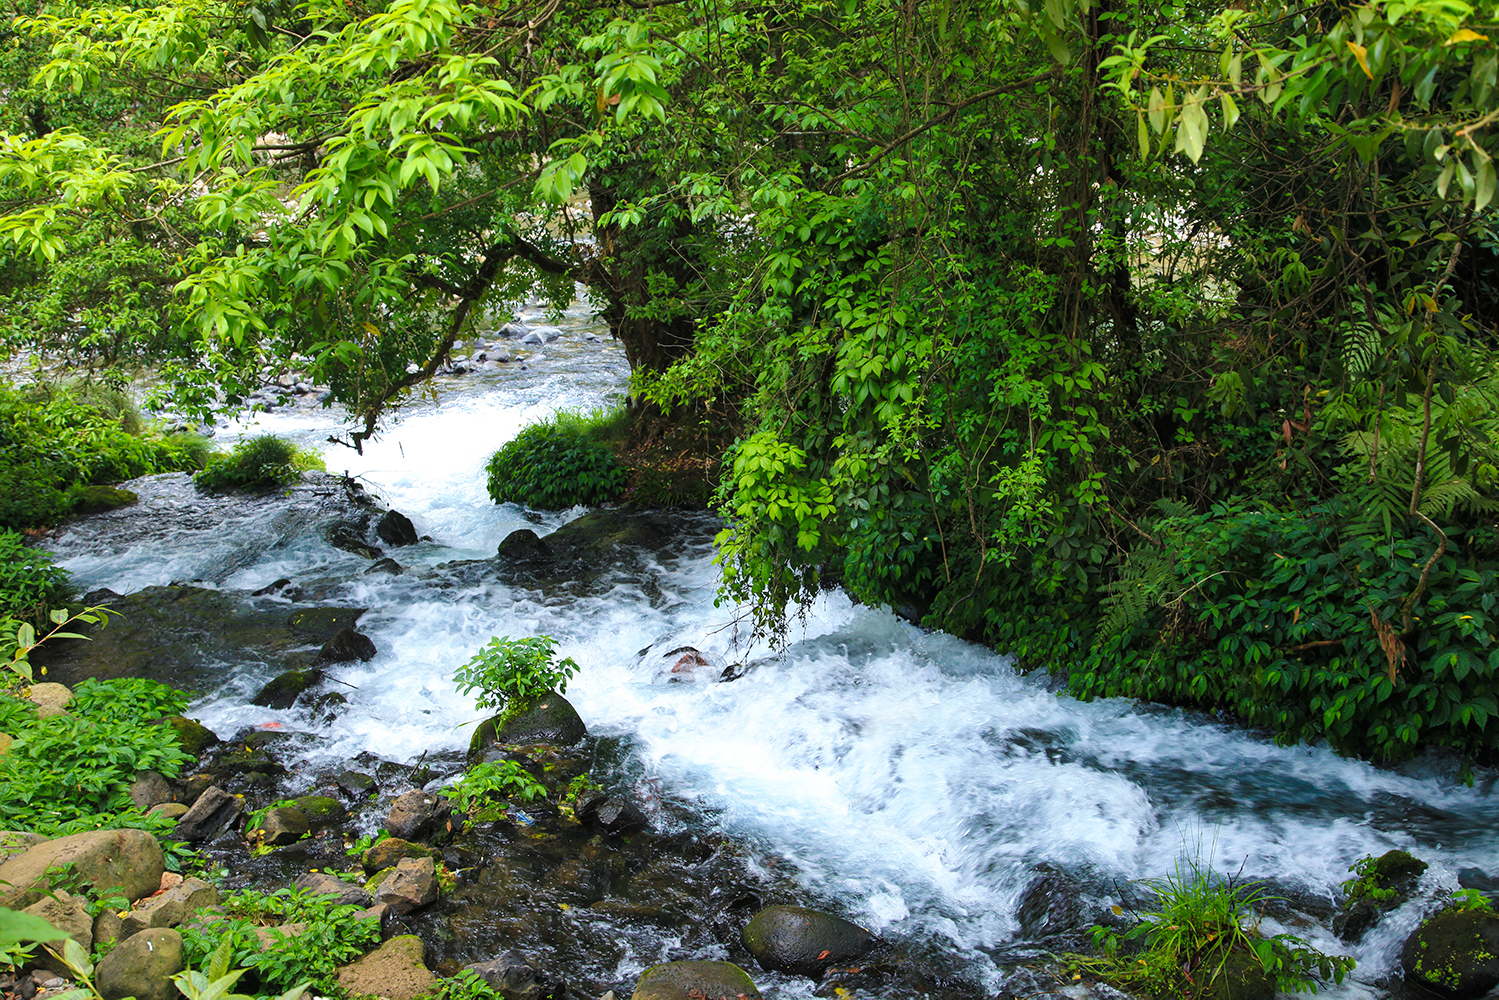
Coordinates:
(825, 954)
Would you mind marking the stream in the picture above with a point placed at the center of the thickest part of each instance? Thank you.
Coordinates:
(908, 780)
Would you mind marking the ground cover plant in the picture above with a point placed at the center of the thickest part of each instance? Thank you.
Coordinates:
(258, 463)
(560, 462)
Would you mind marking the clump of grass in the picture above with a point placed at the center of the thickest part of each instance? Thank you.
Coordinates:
(258, 463)
(560, 462)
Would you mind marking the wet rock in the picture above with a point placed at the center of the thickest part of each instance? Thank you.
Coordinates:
(350, 537)
(170, 907)
(1454, 954)
(98, 499)
(1243, 977)
(193, 736)
(214, 810)
(171, 810)
(516, 977)
(1384, 884)
(549, 719)
(803, 941)
(284, 690)
(614, 815)
(395, 528)
(694, 980)
(149, 789)
(50, 699)
(130, 860)
(411, 885)
(142, 967)
(321, 810)
(69, 914)
(417, 815)
(389, 852)
(322, 624)
(341, 892)
(356, 784)
(386, 565)
(1049, 904)
(524, 545)
(271, 588)
(281, 826)
(395, 971)
(347, 645)
(193, 787)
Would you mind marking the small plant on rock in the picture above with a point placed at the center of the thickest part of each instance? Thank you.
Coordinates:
(507, 670)
(259, 463)
(490, 781)
(556, 464)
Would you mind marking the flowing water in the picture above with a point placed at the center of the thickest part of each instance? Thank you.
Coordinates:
(910, 780)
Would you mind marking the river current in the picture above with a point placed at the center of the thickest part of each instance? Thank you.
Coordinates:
(909, 780)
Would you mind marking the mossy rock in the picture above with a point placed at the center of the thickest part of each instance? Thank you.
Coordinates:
(98, 499)
(1455, 953)
(1391, 866)
(322, 624)
(1243, 977)
(685, 980)
(321, 810)
(549, 719)
(802, 941)
(191, 734)
(284, 690)
(1394, 875)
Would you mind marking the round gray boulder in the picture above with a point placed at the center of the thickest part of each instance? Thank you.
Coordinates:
(802, 941)
(142, 966)
(1454, 954)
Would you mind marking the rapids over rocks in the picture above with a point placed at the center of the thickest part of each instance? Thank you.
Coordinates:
(971, 818)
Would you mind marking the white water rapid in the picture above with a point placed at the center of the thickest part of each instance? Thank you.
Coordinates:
(912, 780)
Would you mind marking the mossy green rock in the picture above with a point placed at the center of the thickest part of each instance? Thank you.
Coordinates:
(1455, 953)
(388, 853)
(98, 499)
(1394, 865)
(684, 980)
(322, 624)
(191, 734)
(1243, 977)
(1393, 875)
(285, 689)
(321, 810)
(802, 941)
(549, 719)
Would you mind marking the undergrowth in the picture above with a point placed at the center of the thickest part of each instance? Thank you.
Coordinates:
(559, 463)
(258, 463)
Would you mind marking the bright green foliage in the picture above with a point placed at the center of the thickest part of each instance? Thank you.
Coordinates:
(133, 697)
(515, 670)
(19, 637)
(1195, 933)
(258, 463)
(73, 768)
(467, 985)
(332, 937)
(555, 464)
(28, 580)
(216, 980)
(489, 782)
(55, 440)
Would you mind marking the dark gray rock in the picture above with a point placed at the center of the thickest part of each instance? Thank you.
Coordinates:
(1454, 954)
(387, 566)
(524, 545)
(417, 815)
(281, 826)
(516, 977)
(802, 941)
(612, 814)
(396, 529)
(346, 646)
(341, 892)
(350, 537)
(214, 810)
(356, 784)
(550, 719)
(284, 690)
(322, 624)
(149, 789)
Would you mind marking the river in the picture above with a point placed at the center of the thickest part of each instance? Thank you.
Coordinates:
(913, 782)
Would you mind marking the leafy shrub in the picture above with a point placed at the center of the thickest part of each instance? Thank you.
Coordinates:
(332, 937)
(556, 464)
(467, 985)
(489, 782)
(258, 463)
(134, 698)
(69, 768)
(1196, 931)
(509, 669)
(28, 580)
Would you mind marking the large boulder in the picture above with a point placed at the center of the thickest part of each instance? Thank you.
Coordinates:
(395, 971)
(549, 719)
(418, 815)
(68, 913)
(127, 860)
(693, 981)
(395, 528)
(1454, 954)
(169, 907)
(142, 967)
(524, 545)
(411, 885)
(347, 646)
(388, 853)
(802, 941)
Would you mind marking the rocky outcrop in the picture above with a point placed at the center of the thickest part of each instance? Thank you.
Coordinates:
(411, 885)
(417, 815)
(395, 971)
(803, 941)
(694, 980)
(128, 860)
(549, 719)
(1455, 953)
(214, 810)
(516, 977)
(142, 967)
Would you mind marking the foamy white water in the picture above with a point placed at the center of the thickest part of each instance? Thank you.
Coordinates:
(912, 779)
